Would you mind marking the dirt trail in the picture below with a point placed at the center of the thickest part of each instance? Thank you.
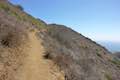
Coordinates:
(35, 67)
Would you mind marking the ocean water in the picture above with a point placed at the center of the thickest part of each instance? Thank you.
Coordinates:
(111, 46)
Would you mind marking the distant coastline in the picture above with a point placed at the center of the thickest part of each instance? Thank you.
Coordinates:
(111, 46)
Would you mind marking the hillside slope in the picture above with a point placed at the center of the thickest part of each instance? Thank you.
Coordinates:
(21, 54)
(30, 49)
(78, 56)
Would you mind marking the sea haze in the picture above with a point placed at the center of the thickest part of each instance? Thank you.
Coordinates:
(111, 46)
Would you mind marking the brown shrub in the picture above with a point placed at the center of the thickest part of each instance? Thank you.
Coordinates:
(11, 36)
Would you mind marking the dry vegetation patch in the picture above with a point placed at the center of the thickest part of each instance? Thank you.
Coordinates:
(13, 41)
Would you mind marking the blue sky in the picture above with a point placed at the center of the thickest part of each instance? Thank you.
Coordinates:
(96, 19)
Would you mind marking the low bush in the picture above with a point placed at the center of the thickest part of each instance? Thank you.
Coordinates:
(19, 7)
(108, 77)
(11, 36)
(116, 61)
(4, 7)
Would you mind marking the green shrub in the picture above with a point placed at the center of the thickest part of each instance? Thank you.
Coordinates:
(116, 61)
(8, 9)
(98, 54)
(32, 30)
(4, 7)
(108, 77)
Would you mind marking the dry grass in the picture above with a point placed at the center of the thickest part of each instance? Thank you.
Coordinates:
(12, 45)
(11, 36)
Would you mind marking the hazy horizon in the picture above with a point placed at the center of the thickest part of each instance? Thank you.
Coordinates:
(111, 46)
(96, 19)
